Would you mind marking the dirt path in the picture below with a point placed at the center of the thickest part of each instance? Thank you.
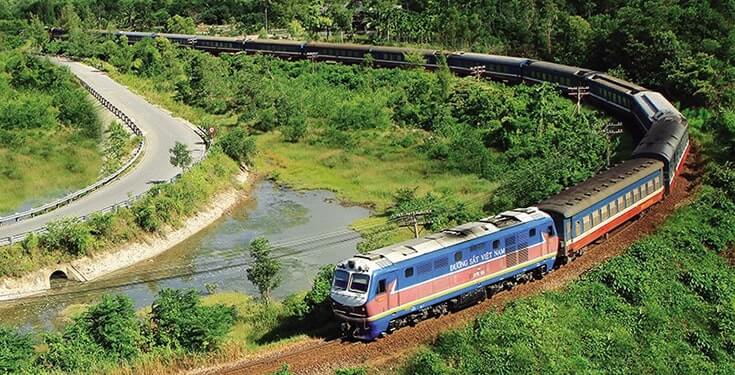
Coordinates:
(388, 354)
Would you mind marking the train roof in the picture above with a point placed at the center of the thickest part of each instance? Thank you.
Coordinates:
(208, 37)
(362, 47)
(553, 67)
(282, 42)
(137, 33)
(654, 104)
(496, 59)
(406, 250)
(616, 83)
(580, 197)
(663, 138)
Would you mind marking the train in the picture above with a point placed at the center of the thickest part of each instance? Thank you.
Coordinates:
(376, 293)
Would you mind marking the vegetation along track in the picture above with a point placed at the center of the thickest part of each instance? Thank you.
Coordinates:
(325, 355)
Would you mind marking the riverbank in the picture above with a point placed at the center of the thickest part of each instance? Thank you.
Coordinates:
(145, 247)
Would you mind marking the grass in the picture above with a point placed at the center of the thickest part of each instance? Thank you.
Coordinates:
(50, 164)
(369, 177)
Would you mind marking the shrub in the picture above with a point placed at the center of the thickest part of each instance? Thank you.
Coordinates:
(239, 146)
(295, 129)
(106, 334)
(180, 321)
(68, 235)
(351, 371)
(16, 351)
(146, 215)
(113, 326)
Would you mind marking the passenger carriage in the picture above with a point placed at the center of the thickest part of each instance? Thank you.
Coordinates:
(504, 68)
(615, 95)
(650, 106)
(586, 212)
(564, 76)
(668, 141)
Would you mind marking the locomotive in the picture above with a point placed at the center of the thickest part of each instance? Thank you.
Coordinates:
(376, 293)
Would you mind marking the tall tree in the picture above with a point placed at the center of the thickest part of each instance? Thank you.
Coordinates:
(265, 270)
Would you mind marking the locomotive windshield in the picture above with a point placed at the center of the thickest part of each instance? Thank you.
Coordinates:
(340, 279)
(359, 283)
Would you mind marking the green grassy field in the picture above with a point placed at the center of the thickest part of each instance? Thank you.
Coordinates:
(51, 164)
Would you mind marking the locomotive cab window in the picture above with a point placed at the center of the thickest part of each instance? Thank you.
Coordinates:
(458, 256)
(532, 232)
(359, 283)
(550, 230)
(381, 286)
(408, 272)
(340, 279)
(496, 244)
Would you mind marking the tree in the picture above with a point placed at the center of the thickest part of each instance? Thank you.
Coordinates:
(180, 156)
(181, 25)
(265, 270)
(112, 324)
(178, 320)
(239, 146)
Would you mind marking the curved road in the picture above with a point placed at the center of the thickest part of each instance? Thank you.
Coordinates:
(161, 131)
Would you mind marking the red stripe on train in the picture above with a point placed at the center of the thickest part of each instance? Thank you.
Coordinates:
(389, 300)
(589, 238)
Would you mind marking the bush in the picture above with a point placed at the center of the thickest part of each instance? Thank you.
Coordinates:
(104, 335)
(68, 235)
(16, 351)
(239, 146)
(113, 326)
(180, 321)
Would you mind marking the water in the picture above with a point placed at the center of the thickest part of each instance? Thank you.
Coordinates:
(309, 230)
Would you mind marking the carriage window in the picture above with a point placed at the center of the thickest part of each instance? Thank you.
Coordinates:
(596, 218)
(636, 194)
(579, 228)
(408, 272)
(568, 228)
(628, 199)
(532, 232)
(496, 244)
(587, 221)
(381, 286)
(621, 203)
(605, 212)
(458, 256)
(613, 207)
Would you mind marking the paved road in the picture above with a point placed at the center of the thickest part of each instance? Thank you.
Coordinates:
(161, 131)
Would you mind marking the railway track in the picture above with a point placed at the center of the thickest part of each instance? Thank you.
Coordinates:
(386, 355)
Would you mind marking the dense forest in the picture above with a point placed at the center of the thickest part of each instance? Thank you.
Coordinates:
(685, 49)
